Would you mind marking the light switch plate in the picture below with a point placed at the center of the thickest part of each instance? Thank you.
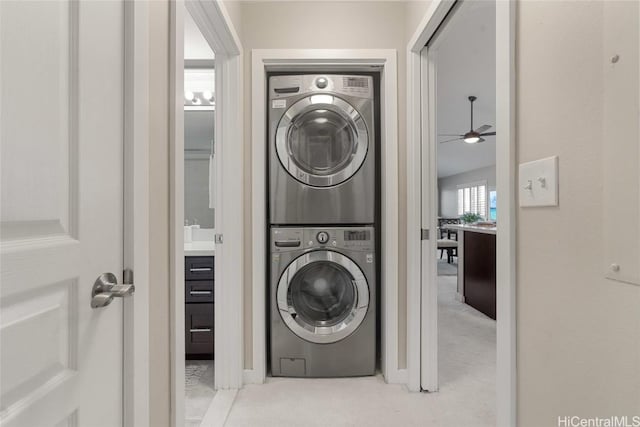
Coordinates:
(538, 182)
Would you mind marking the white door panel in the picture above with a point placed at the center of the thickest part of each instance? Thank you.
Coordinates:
(62, 211)
(429, 288)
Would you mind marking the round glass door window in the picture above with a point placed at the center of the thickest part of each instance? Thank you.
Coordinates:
(323, 296)
(322, 140)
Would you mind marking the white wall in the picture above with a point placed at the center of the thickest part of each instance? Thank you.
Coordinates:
(448, 188)
(578, 333)
(235, 13)
(414, 12)
(338, 25)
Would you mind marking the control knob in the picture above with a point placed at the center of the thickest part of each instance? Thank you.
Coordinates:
(322, 237)
(322, 82)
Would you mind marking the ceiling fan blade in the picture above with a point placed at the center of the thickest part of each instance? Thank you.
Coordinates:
(451, 134)
(483, 128)
(481, 140)
(451, 140)
(487, 134)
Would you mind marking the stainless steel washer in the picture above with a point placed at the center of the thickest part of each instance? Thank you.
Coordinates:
(323, 302)
(322, 149)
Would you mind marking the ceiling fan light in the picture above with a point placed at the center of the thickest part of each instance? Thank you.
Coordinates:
(472, 139)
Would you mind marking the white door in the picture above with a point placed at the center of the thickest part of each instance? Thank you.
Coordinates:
(62, 211)
(429, 294)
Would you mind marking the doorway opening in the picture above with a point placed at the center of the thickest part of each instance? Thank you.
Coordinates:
(426, 203)
(269, 61)
(464, 127)
(206, 146)
(199, 222)
(323, 172)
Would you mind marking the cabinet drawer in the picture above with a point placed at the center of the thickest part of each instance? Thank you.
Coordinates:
(198, 268)
(198, 328)
(198, 291)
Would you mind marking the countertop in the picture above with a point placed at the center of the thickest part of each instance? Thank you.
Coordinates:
(473, 228)
(200, 248)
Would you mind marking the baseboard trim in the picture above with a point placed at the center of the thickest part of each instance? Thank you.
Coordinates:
(251, 376)
(459, 297)
(398, 376)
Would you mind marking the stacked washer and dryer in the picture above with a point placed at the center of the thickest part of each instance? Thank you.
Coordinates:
(322, 215)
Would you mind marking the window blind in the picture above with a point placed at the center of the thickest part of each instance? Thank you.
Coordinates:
(472, 198)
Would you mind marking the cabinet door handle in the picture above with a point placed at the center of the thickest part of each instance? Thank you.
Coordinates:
(199, 292)
(194, 270)
(200, 330)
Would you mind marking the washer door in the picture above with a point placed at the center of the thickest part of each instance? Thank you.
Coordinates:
(323, 296)
(322, 140)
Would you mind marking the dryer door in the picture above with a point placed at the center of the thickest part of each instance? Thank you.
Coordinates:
(322, 140)
(323, 296)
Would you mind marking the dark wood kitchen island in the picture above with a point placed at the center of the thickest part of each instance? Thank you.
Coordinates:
(477, 267)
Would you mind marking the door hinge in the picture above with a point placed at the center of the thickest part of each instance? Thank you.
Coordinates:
(218, 239)
(127, 276)
(424, 234)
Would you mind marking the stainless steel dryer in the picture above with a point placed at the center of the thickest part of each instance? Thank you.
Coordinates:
(322, 149)
(323, 293)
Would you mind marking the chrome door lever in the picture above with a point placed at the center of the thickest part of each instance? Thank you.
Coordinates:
(106, 288)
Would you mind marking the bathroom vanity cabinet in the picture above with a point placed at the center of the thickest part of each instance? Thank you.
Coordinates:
(199, 305)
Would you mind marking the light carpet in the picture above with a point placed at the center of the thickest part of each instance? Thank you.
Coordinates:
(446, 269)
(466, 397)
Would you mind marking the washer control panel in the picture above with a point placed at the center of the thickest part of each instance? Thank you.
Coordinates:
(284, 239)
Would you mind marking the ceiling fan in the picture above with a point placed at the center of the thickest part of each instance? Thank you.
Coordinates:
(473, 136)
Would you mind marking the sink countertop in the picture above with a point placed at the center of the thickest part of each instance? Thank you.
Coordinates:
(200, 248)
(473, 228)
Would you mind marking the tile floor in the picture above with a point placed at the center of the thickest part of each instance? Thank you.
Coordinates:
(466, 396)
(199, 391)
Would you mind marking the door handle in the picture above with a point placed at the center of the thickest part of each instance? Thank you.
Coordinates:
(198, 269)
(106, 288)
(287, 243)
(199, 292)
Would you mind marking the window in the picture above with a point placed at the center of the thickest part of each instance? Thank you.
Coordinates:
(493, 206)
(472, 198)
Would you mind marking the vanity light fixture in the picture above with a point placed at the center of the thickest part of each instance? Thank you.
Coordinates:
(208, 95)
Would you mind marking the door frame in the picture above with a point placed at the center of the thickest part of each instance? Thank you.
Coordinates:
(216, 26)
(418, 108)
(136, 213)
(264, 60)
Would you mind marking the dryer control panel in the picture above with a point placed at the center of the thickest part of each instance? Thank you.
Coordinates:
(353, 85)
